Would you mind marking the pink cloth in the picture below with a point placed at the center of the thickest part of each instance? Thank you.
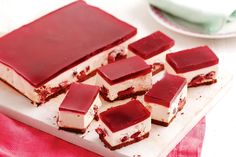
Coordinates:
(191, 144)
(20, 140)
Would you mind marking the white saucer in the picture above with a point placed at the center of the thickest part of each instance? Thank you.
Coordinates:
(180, 26)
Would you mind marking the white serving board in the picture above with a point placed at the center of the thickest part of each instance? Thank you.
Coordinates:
(160, 142)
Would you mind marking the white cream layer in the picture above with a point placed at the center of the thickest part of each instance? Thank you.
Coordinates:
(114, 138)
(74, 120)
(165, 114)
(141, 83)
(159, 58)
(191, 74)
(14, 79)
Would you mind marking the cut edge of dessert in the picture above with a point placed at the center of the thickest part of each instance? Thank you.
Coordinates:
(153, 49)
(133, 124)
(166, 98)
(198, 65)
(124, 79)
(79, 108)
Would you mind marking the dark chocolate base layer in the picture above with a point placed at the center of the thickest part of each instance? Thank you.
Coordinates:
(165, 124)
(106, 144)
(74, 130)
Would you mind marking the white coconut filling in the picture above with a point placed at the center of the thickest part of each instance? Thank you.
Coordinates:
(191, 74)
(165, 114)
(141, 83)
(115, 138)
(75, 120)
(159, 58)
(14, 79)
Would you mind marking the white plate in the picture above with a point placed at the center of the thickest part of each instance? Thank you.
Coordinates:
(181, 26)
(160, 142)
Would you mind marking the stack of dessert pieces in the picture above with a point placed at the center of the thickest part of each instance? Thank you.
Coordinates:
(123, 125)
(62, 49)
(130, 77)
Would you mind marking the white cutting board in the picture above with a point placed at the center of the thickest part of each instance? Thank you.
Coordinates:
(161, 140)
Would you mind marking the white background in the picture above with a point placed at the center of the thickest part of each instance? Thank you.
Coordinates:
(220, 137)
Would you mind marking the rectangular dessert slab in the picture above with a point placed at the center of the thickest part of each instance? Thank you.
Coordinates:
(192, 59)
(124, 125)
(42, 58)
(166, 98)
(198, 65)
(153, 49)
(125, 78)
(160, 141)
(79, 107)
(151, 45)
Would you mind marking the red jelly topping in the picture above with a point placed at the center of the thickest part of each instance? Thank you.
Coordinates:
(165, 91)
(151, 45)
(60, 40)
(79, 98)
(123, 116)
(124, 69)
(192, 59)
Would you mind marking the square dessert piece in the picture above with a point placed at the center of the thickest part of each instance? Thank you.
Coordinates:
(198, 65)
(79, 107)
(43, 58)
(125, 78)
(166, 98)
(123, 125)
(153, 49)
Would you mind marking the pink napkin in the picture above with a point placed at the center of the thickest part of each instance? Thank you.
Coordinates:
(17, 139)
(191, 145)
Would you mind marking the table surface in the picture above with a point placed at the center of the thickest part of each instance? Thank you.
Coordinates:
(220, 134)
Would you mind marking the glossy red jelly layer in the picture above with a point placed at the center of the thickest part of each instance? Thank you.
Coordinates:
(124, 116)
(79, 98)
(192, 59)
(60, 40)
(124, 69)
(165, 91)
(151, 45)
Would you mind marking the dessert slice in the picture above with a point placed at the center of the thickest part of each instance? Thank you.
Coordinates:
(123, 125)
(198, 65)
(79, 107)
(166, 98)
(124, 79)
(152, 49)
(43, 58)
